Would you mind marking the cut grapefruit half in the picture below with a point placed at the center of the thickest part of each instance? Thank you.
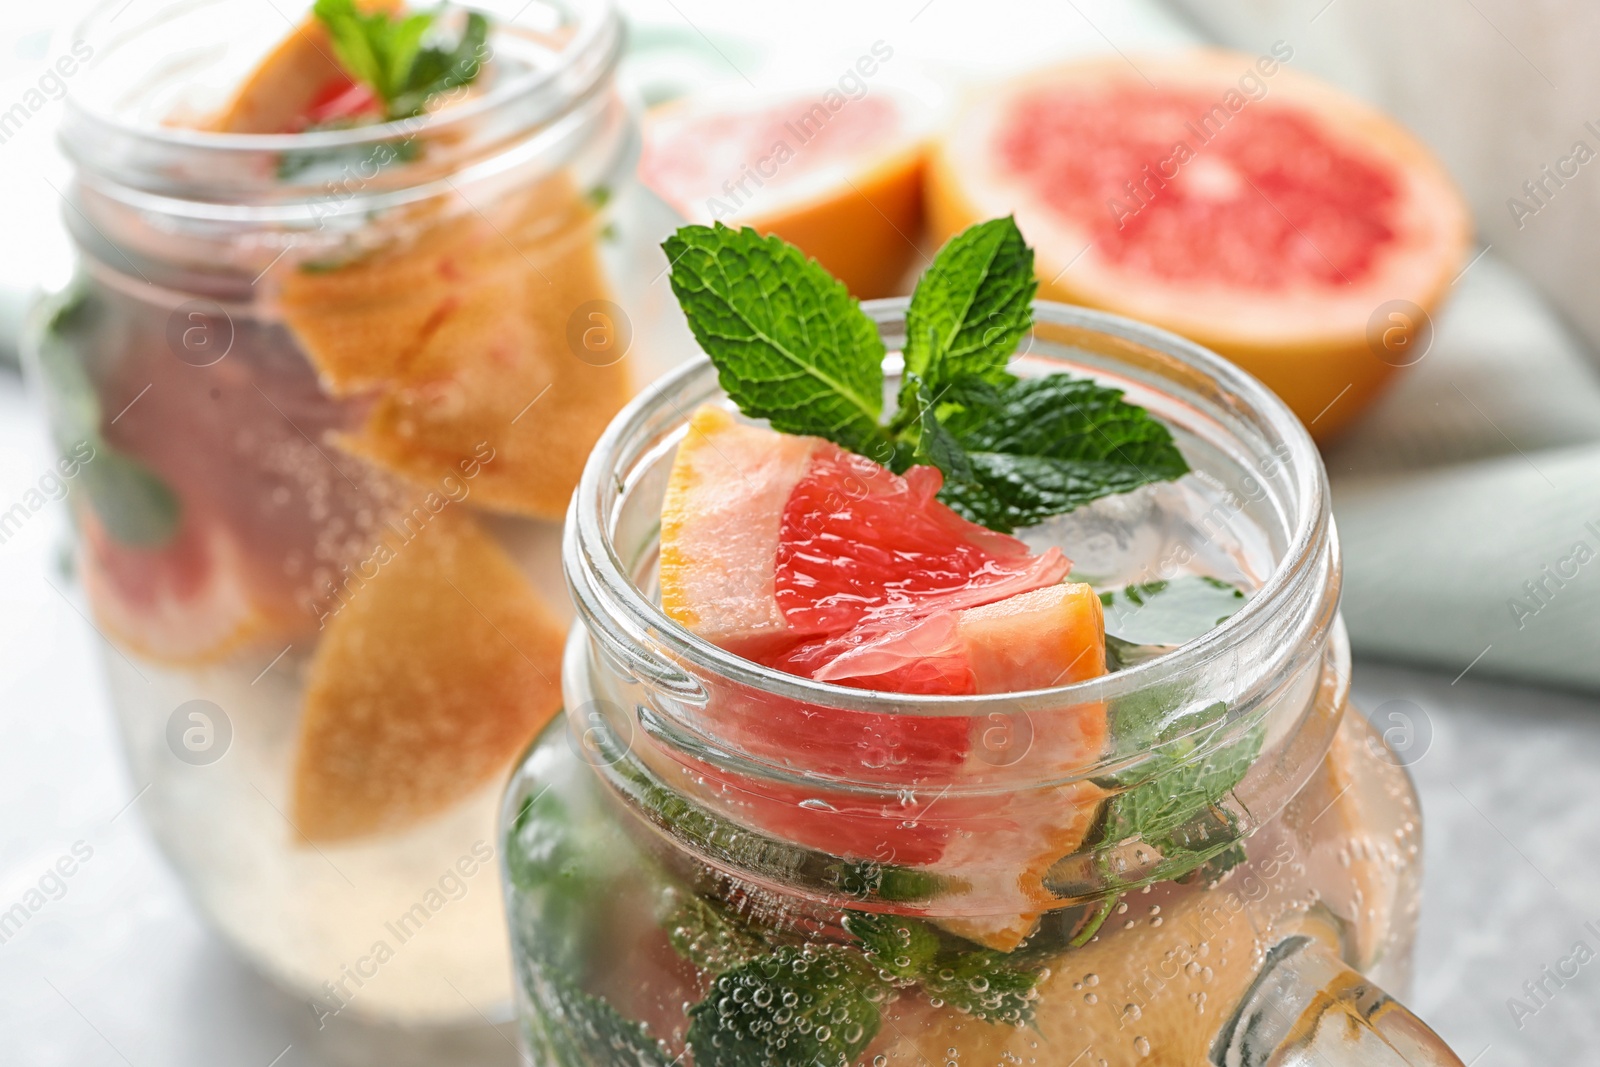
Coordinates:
(840, 178)
(425, 685)
(1270, 217)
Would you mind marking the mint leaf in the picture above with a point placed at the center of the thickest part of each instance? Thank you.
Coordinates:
(1177, 810)
(136, 507)
(970, 308)
(387, 56)
(797, 1007)
(438, 70)
(131, 500)
(936, 445)
(707, 935)
(1150, 619)
(571, 1028)
(981, 982)
(1037, 447)
(790, 344)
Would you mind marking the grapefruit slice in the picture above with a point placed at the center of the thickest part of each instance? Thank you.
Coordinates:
(768, 539)
(425, 686)
(822, 564)
(840, 178)
(1273, 230)
(183, 603)
(461, 339)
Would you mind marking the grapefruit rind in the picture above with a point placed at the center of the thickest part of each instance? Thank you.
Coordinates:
(720, 524)
(859, 215)
(425, 685)
(1038, 640)
(1307, 345)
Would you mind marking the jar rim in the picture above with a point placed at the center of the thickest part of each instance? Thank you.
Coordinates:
(601, 584)
(590, 56)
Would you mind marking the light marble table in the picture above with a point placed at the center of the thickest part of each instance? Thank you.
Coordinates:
(120, 972)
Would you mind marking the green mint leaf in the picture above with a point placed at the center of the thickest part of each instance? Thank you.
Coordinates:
(789, 342)
(1152, 618)
(358, 41)
(404, 41)
(438, 70)
(897, 946)
(1039, 447)
(870, 880)
(136, 507)
(971, 306)
(936, 445)
(131, 500)
(386, 54)
(576, 1029)
(989, 985)
(1177, 809)
(706, 934)
(797, 1007)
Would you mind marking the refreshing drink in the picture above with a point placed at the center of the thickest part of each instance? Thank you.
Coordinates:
(1025, 743)
(340, 342)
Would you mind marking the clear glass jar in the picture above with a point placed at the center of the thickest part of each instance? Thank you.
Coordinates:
(770, 870)
(325, 396)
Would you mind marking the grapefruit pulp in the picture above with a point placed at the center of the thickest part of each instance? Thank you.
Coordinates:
(820, 563)
(184, 602)
(1271, 227)
(839, 178)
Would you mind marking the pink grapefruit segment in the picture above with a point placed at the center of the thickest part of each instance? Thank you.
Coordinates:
(859, 542)
(1269, 225)
(769, 539)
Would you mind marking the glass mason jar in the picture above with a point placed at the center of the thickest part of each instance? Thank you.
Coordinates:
(770, 870)
(326, 396)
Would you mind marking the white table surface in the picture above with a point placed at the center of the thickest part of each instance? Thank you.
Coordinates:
(120, 972)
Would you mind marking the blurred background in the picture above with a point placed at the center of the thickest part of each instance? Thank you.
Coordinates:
(1471, 478)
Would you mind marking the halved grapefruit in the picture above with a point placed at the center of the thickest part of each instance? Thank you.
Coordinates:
(822, 564)
(840, 178)
(425, 685)
(1270, 217)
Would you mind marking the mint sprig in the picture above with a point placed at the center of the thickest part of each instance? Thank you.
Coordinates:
(793, 347)
(386, 54)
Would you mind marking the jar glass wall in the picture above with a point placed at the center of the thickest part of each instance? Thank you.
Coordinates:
(716, 859)
(325, 396)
